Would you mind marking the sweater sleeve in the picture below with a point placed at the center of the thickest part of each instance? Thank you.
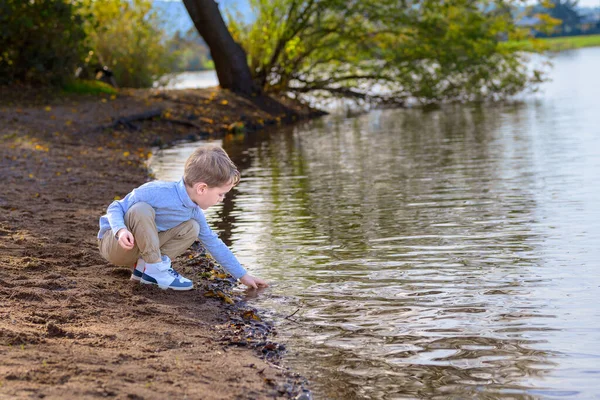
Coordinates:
(218, 249)
(116, 212)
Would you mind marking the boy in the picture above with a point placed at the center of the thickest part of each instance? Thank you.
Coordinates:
(159, 220)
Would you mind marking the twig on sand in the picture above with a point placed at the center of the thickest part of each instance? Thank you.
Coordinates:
(127, 121)
(181, 122)
(275, 365)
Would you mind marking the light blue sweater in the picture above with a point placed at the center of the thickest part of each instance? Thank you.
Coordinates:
(173, 206)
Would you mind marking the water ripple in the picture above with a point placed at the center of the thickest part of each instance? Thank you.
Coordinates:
(450, 254)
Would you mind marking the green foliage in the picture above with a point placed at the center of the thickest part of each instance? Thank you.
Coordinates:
(82, 86)
(125, 36)
(386, 50)
(41, 41)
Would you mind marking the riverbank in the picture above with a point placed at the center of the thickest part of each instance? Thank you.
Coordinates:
(73, 326)
(557, 44)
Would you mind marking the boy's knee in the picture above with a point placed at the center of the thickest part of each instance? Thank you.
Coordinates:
(140, 210)
(191, 229)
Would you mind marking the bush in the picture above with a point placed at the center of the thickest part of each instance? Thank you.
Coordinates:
(41, 41)
(125, 36)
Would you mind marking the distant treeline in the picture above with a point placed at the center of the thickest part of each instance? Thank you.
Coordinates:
(568, 19)
(192, 52)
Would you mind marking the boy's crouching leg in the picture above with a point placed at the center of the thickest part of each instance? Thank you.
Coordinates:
(140, 220)
(176, 241)
(112, 252)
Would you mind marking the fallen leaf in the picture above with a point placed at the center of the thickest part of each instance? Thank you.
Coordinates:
(226, 298)
(251, 315)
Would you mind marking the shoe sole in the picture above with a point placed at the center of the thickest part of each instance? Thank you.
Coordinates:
(136, 277)
(179, 289)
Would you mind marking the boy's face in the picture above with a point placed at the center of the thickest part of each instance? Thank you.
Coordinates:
(206, 196)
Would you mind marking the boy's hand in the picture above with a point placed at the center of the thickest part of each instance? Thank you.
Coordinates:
(126, 240)
(253, 282)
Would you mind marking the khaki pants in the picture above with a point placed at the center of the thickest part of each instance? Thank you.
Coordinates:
(149, 244)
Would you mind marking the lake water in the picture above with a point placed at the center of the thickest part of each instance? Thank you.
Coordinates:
(193, 80)
(446, 254)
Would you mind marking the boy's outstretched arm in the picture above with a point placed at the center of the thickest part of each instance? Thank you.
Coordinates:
(253, 282)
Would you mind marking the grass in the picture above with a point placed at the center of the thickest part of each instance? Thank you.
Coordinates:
(89, 87)
(557, 43)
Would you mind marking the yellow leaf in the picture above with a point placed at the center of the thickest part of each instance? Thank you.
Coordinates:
(103, 100)
(48, 108)
(31, 175)
(68, 122)
(218, 275)
(224, 102)
(117, 198)
(126, 154)
(251, 315)
(226, 298)
(112, 97)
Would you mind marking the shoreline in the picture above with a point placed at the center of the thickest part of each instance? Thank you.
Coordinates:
(72, 325)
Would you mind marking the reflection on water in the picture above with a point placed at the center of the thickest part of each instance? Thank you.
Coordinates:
(450, 254)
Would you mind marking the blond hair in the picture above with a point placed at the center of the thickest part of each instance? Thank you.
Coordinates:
(211, 165)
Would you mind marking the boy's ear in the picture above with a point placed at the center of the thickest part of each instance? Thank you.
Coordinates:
(200, 187)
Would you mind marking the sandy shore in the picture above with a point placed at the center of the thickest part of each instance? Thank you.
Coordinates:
(73, 326)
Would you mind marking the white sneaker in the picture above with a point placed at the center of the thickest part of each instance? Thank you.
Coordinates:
(165, 277)
(138, 270)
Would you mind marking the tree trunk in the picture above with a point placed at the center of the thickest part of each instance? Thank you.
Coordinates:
(229, 57)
